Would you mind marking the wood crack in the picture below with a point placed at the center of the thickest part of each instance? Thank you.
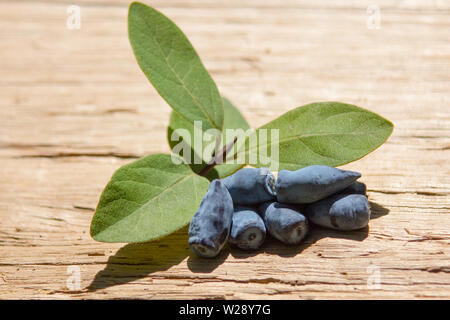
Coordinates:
(422, 193)
(82, 154)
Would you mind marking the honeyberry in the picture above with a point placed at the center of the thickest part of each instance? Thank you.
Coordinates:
(211, 224)
(284, 222)
(312, 183)
(355, 188)
(247, 230)
(340, 212)
(251, 186)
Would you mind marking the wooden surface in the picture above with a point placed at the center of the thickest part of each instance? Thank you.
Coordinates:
(74, 107)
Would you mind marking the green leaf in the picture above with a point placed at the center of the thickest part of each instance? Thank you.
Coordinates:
(181, 132)
(171, 64)
(327, 133)
(147, 199)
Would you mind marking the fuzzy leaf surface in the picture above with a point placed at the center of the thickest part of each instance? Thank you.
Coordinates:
(147, 199)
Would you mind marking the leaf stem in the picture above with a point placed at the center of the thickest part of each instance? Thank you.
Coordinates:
(218, 159)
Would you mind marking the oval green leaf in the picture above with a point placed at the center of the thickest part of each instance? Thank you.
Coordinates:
(147, 199)
(327, 133)
(171, 64)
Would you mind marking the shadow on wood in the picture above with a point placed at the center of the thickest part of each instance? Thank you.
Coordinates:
(377, 210)
(136, 261)
(204, 265)
(274, 246)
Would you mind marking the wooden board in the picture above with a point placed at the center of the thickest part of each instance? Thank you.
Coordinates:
(74, 107)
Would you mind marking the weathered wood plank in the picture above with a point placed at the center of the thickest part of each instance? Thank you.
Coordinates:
(74, 107)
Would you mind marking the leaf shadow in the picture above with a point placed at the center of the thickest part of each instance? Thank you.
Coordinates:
(138, 260)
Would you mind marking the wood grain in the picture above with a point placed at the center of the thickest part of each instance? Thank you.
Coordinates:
(74, 107)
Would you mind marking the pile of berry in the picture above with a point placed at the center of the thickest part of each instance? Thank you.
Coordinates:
(241, 208)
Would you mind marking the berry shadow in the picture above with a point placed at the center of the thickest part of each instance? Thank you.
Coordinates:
(275, 247)
(138, 260)
(377, 210)
(244, 254)
(206, 265)
(316, 233)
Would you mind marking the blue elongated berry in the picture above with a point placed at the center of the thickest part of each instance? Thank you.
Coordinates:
(211, 224)
(247, 230)
(250, 186)
(312, 183)
(340, 212)
(284, 222)
(355, 188)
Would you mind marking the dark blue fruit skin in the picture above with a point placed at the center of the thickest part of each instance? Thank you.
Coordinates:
(340, 212)
(312, 183)
(284, 222)
(355, 188)
(211, 224)
(251, 186)
(247, 229)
